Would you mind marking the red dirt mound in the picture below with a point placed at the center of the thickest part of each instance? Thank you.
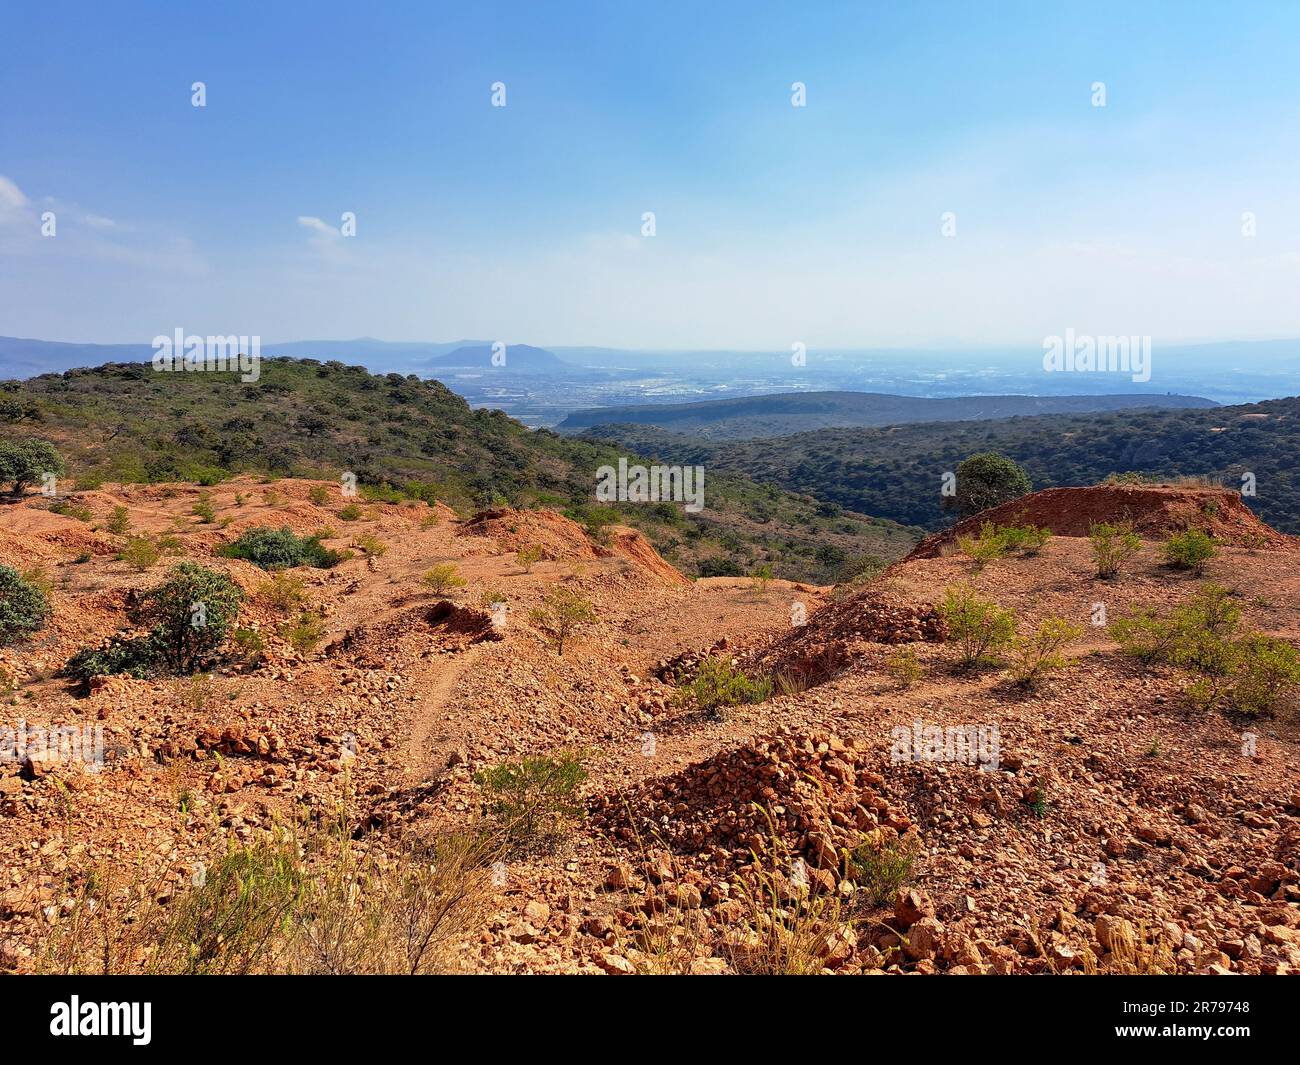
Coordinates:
(1154, 511)
(837, 634)
(512, 530)
(816, 788)
(632, 545)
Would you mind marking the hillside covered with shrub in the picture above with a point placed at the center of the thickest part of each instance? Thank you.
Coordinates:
(401, 435)
(896, 472)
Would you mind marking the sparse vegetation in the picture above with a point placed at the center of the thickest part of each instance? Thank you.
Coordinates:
(140, 553)
(562, 613)
(283, 593)
(978, 626)
(1112, 546)
(719, 683)
(305, 633)
(1040, 652)
(881, 864)
(442, 578)
(527, 557)
(533, 801)
(904, 666)
(1189, 550)
(119, 521)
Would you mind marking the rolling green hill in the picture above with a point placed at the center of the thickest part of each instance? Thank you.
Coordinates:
(750, 417)
(896, 472)
(125, 422)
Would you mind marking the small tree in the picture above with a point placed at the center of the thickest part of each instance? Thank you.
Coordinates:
(988, 480)
(443, 578)
(190, 614)
(527, 557)
(1190, 550)
(25, 463)
(562, 613)
(24, 606)
(533, 800)
(1112, 546)
(119, 522)
(978, 626)
(1040, 652)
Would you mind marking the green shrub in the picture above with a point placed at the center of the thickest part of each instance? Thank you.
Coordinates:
(903, 665)
(534, 800)
(283, 592)
(135, 656)
(319, 495)
(719, 683)
(140, 553)
(24, 605)
(1112, 546)
(995, 541)
(979, 627)
(27, 461)
(351, 512)
(370, 544)
(1189, 550)
(204, 510)
(1040, 652)
(443, 578)
(1027, 539)
(119, 522)
(880, 866)
(528, 557)
(561, 614)
(190, 614)
(305, 634)
(1266, 675)
(281, 549)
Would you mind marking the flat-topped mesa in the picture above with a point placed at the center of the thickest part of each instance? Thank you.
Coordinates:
(1153, 510)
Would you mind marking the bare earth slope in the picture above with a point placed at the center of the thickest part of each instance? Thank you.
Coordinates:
(1116, 824)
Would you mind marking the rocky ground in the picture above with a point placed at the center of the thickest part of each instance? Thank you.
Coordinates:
(1118, 830)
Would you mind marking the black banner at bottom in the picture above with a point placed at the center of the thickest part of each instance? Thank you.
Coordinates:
(146, 1014)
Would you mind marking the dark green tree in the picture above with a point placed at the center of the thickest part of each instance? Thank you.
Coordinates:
(989, 480)
(190, 614)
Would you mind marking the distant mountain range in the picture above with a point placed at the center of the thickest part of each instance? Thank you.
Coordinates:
(510, 358)
(757, 417)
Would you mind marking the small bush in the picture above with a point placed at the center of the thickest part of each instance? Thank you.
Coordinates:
(979, 627)
(24, 605)
(528, 557)
(903, 665)
(985, 547)
(443, 578)
(1266, 675)
(140, 553)
(720, 683)
(1189, 550)
(1112, 546)
(190, 614)
(369, 544)
(533, 800)
(305, 634)
(1040, 652)
(281, 549)
(319, 495)
(562, 613)
(134, 656)
(204, 510)
(283, 593)
(351, 512)
(879, 866)
(119, 522)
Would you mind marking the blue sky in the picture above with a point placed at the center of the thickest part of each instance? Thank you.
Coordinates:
(774, 223)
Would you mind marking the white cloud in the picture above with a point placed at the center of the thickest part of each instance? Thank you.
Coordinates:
(317, 225)
(11, 196)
